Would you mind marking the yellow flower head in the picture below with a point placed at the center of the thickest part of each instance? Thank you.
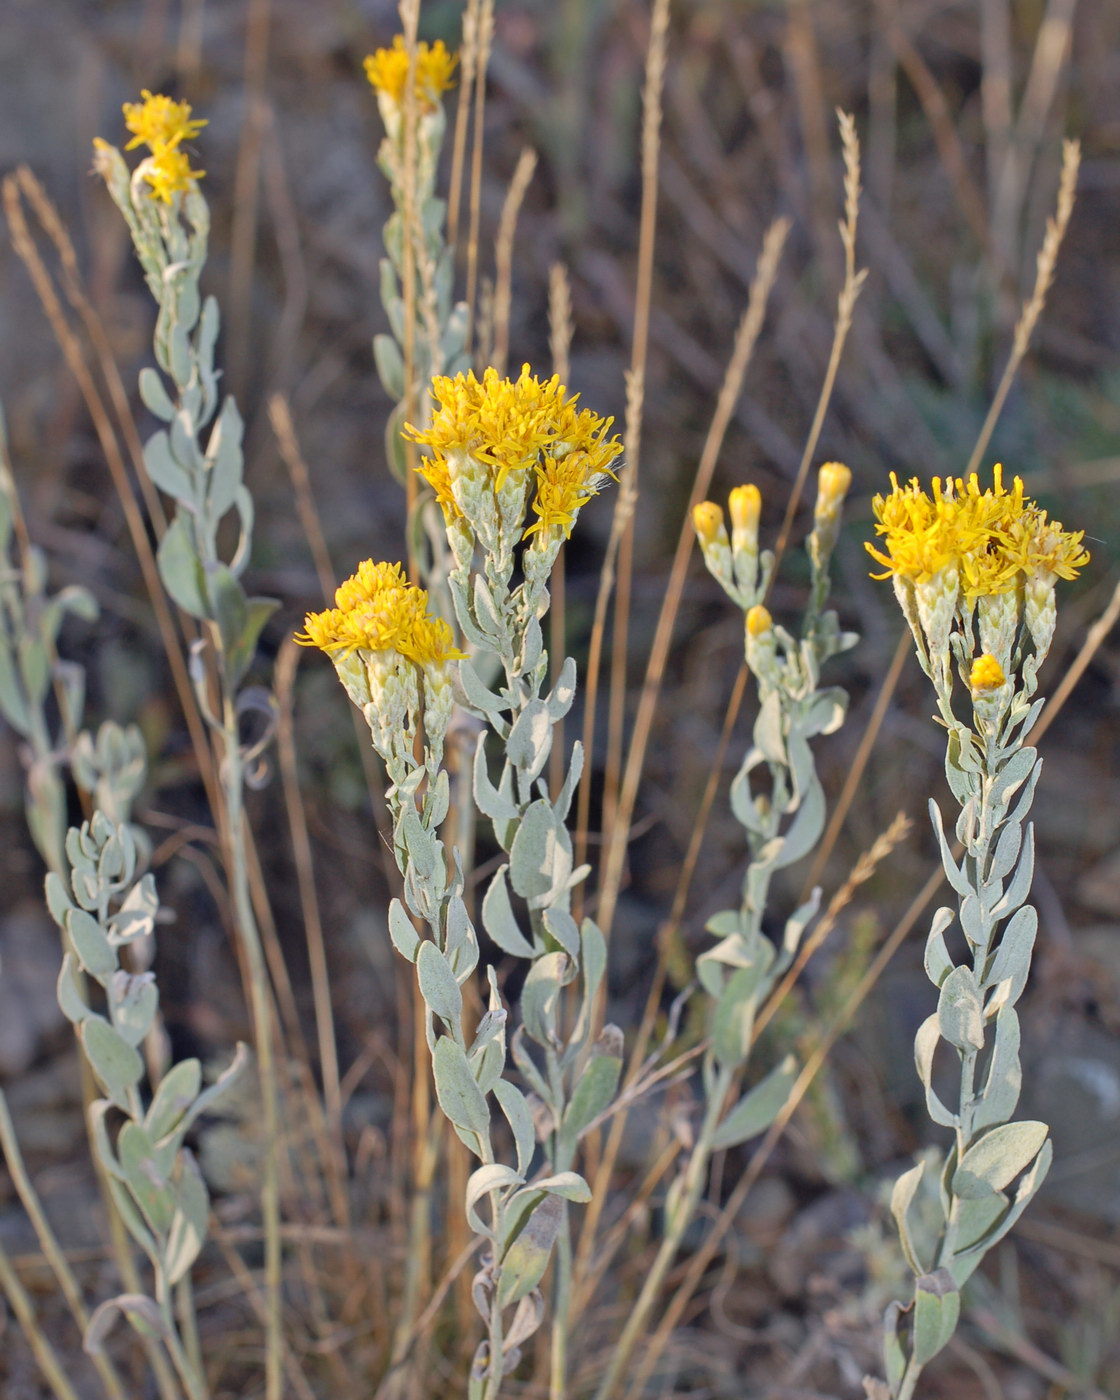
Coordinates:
(513, 426)
(168, 171)
(759, 620)
(994, 537)
(160, 122)
(986, 674)
(387, 71)
(745, 505)
(707, 521)
(378, 609)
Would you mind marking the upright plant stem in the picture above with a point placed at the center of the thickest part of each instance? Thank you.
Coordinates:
(261, 999)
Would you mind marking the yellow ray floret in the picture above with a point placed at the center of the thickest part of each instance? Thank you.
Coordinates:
(160, 122)
(378, 609)
(387, 71)
(168, 171)
(994, 537)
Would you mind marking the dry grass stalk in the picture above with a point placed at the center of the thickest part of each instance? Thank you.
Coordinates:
(560, 348)
(484, 38)
(507, 229)
(468, 64)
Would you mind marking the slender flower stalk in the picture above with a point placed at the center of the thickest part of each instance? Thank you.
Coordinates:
(974, 570)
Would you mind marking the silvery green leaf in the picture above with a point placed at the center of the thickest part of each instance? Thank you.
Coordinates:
(1004, 1079)
(999, 1156)
(13, 705)
(1012, 962)
(421, 846)
(150, 1188)
(526, 1064)
(594, 957)
(70, 999)
(538, 861)
(743, 805)
(516, 1109)
(499, 919)
(962, 781)
(246, 511)
(768, 727)
(526, 1259)
(115, 1064)
(530, 740)
(726, 923)
(459, 942)
(960, 1015)
(494, 1176)
(136, 917)
(179, 358)
(91, 945)
(438, 986)
(967, 824)
(1015, 771)
(1026, 795)
(795, 927)
(1007, 851)
(758, 1108)
(560, 924)
(925, 1044)
(805, 829)
(570, 1185)
(485, 610)
(488, 1063)
(490, 802)
(478, 696)
(532, 645)
(539, 995)
(952, 871)
(228, 604)
(154, 396)
(133, 1003)
(975, 1220)
(1032, 1180)
(402, 931)
(571, 782)
(188, 1227)
(216, 1091)
(142, 1312)
(825, 711)
(58, 900)
(894, 1358)
(35, 670)
(177, 1091)
(459, 1095)
(972, 921)
(180, 568)
(164, 471)
(1020, 886)
(564, 691)
(733, 1021)
(390, 366)
(902, 1197)
(183, 446)
(594, 1090)
(224, 460)
(937, 1307)
(938, 963)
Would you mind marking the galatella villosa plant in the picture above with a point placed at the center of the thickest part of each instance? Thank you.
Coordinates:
(500, 451)
(974, 572)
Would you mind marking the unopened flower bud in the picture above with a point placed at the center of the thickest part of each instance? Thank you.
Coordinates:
(745, 504)
(707, 520)
(986, 674)
(762, 647)
(833, 483)
(759, 621)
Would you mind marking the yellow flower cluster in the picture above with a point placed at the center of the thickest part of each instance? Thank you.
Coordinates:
(378, 609)
(162, 124)
(387, 71)
(995, 538)
(511, 427)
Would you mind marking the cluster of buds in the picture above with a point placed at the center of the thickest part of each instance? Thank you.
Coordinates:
(432, 67)
(395, 659)
(974, 572)
(744, 573)
(504, 450)
(163, 125)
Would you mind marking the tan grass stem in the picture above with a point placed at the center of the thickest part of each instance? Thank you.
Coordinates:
(503, 255)
(468, 62)
(746, 338)
(1045, 266)
(483, 39)
(560, 347)
(45, 1355)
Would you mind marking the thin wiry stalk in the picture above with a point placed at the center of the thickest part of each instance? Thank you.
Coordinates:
(845, 306)
(560, 346)
(1046, 264)
(286, 665)
(614, 829)
(468, 62)
(409, 11)
(507, 228)
(746, 337)
(484, 38)
(45, 1355)
(52, 1250)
